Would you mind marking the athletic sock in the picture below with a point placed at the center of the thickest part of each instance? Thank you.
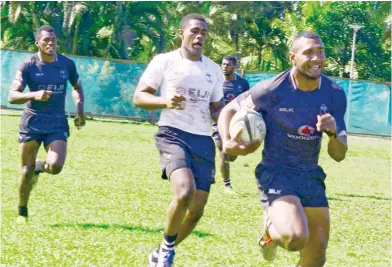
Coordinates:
(168, 242)
(227, 182)
(22, 211)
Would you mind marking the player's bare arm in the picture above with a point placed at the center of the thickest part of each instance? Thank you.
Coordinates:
(16, 95)
(145, 98)
(78, 97)
(337, 144)
(216, 108)
(232, 144)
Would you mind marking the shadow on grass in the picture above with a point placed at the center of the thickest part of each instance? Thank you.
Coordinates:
(121, 227)
(335, 199)
(362, 196)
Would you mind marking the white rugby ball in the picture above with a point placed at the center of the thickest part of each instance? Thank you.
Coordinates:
(251, 122)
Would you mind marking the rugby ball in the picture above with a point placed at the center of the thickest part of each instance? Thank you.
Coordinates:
(252, 124)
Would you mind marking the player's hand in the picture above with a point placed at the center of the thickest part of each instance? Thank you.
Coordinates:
(326, 123)
(42, 95)
(235, 147)
(79, 121)
(175, 102)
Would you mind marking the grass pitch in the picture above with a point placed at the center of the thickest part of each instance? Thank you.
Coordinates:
(107, 207)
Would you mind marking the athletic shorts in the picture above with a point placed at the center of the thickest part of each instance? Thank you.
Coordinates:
(45, 138)
(308, 186)
(43, 128)
(179, 149)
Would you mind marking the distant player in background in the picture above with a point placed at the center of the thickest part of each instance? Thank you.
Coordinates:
(233, 86)
(190, 88)
(298, 106)
(43, 120)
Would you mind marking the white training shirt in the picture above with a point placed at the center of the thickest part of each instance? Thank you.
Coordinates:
(200, 82)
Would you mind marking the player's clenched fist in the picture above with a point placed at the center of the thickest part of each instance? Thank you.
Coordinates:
(175, 102)
(79, 121)
(326, 123)
(42, 95)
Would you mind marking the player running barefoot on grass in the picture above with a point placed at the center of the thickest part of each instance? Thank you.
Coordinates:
(233, 86)
(298, 106)
(190, 93)
(43, 120)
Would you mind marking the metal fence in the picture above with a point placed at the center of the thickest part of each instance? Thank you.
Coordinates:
(109, 86)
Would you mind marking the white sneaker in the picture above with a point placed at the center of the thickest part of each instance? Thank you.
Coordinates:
(268, 247)
(165, 258)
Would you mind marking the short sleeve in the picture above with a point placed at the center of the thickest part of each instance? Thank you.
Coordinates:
(217, 92)
(339, 109)
(246, 85)
(73, 74)
(153, 75)
(22, 74)
(260, 96)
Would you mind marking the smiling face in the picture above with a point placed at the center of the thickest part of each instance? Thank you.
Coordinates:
(193, 36)
(308, 56)
(46, 43)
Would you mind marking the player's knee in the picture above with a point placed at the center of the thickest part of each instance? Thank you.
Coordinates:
(28, 170)
(295, 242)
(55, 168)
(185, 196)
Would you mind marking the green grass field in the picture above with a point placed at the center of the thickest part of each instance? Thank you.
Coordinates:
(108, 206)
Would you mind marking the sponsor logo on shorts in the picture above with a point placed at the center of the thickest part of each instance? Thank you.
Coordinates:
(66, 134)
(39, 74)
(274, 191)
(305, 132)
(20, 137)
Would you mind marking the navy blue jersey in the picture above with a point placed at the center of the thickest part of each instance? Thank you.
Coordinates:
(46, 117)
(39, 75)
(291, 115)
(233, 88)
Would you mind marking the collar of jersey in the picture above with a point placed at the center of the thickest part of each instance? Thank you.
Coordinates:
(293, 81)
(55, 60)
(201, 57)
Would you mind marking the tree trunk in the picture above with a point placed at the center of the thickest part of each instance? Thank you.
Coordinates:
(34, 16)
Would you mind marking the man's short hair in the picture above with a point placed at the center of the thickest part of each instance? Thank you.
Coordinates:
(185, 20)
(232, 59)
(306, 34)
(43, 28)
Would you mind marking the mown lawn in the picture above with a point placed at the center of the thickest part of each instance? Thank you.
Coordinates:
(107, 207)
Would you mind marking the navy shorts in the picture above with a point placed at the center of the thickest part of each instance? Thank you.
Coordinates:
(45, 138)
(179, 149)
(43, 128)
(308, 186)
